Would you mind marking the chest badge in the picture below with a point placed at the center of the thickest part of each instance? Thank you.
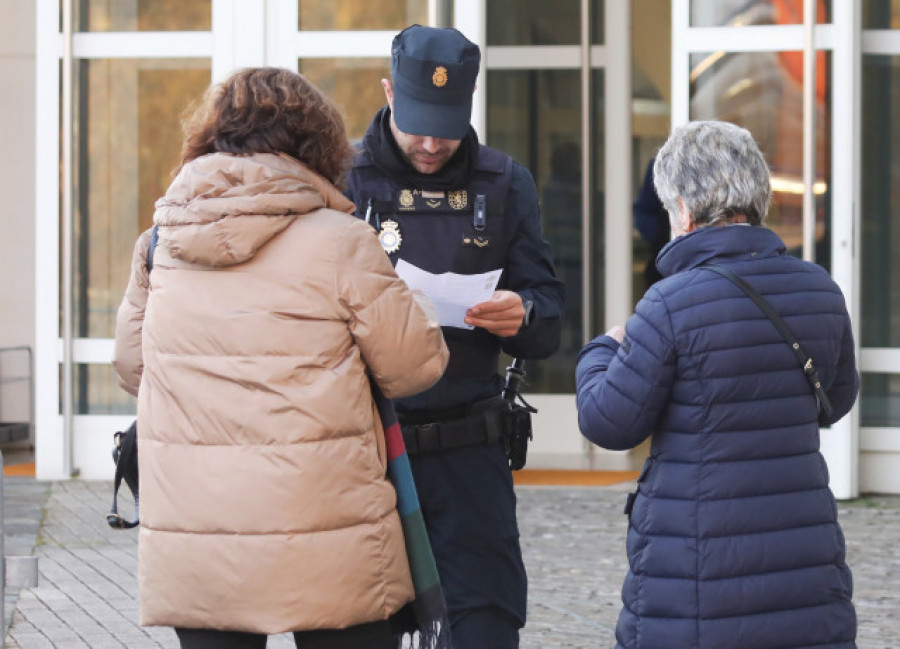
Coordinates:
(458, 199)
(390, 236)
(406, 198)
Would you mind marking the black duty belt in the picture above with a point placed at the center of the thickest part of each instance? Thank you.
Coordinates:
(479, 424)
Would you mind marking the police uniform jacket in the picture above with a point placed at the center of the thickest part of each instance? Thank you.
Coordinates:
(265, 502)
(434, 215)
(733, 538)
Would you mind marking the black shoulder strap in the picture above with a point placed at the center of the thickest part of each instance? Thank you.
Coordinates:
(806, 361)
(154, 239)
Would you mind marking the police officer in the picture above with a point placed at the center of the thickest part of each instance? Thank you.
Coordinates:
(444, 203)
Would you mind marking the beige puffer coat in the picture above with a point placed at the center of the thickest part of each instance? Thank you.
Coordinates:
(265, 502)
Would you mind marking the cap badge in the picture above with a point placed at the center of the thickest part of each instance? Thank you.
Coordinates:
(390, 236)
(439, 78)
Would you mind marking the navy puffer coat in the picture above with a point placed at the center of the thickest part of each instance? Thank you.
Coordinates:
(733, 541)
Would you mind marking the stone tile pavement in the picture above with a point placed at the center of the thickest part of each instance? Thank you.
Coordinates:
(573, 539)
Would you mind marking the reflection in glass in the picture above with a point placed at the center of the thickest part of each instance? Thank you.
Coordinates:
(763, 92)
(535, 116)
(128, 138)
(880, 265)
(740, 13)
(329, 15)
(534, 22)
(355, 84)
(142, 15)
(881, 14)
(879, 399)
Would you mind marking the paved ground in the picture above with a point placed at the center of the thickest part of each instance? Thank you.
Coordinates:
(572, 538)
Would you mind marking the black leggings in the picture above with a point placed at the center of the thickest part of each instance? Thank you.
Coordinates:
(373, 635)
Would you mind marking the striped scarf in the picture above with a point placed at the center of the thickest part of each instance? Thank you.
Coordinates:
(428, 610)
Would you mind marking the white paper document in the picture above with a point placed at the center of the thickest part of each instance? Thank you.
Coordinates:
(453, 294)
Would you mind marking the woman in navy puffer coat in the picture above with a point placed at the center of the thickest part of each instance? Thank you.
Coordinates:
(733, 541)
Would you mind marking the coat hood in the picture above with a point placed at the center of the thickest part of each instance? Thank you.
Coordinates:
(222, 208)
(737, 242)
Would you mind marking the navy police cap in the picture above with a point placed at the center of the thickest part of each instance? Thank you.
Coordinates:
(433, 71)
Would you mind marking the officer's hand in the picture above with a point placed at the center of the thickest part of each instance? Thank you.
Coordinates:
(502, 315)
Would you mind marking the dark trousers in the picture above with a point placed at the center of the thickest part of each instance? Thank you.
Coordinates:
(487, 628)
(469, 506)
(374, 635)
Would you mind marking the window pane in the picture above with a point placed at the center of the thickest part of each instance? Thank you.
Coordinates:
(881, 14)
(879, 400)
(763, 92)
(880, 265)
(533, 22)
(361, 14)
(128, 138)
(97, 392)
(142, 15)
(355, 84)
(535, 116)
(736, 13)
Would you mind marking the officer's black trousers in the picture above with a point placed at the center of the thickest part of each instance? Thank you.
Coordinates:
(375, 635)
(485, 627)
(469, 507)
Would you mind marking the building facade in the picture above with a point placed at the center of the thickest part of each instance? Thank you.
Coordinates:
(580, 91)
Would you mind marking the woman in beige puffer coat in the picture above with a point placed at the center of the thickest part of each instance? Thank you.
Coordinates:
(265, 502)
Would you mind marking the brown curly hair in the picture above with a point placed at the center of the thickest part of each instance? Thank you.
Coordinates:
(270, 110)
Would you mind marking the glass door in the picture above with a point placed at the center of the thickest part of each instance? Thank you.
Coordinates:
(113, 78)
(783, 69)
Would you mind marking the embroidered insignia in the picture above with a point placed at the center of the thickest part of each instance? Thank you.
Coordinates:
(406, 198)
(458, 199)
(433, 204)
(479, 242)
(439, 78)
(390, 236)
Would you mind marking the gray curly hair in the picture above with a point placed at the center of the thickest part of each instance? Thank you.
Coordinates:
(717, 171)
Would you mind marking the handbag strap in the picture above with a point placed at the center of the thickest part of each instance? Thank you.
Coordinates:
(806, 361)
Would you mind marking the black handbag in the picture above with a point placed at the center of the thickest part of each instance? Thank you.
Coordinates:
(125, 455)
